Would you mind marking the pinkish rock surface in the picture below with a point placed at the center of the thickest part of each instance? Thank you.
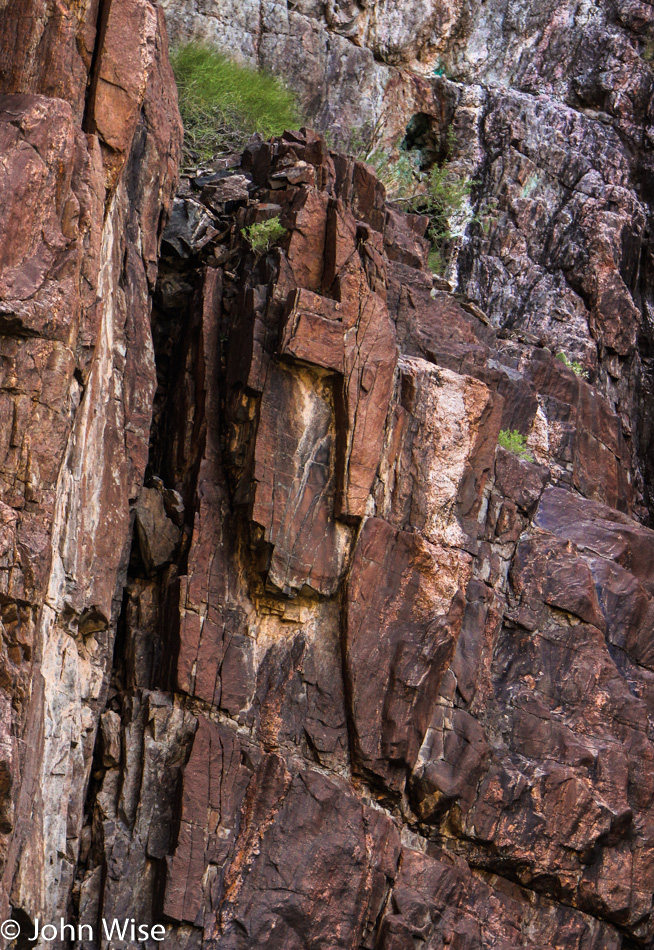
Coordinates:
(294, 654)
(78, 262)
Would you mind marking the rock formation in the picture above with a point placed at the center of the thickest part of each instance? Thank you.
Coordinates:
(90, 139)
(295, 654)
(416, 663)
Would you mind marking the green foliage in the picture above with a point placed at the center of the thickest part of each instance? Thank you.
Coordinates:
(513, 441)
(441, 193)
(262, 235)
(488, 214)
(436, 262)
(223, 104)
(574, 365)
(402, 178)
(448, 195)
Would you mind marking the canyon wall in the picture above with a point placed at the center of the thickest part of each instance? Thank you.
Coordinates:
(295, 654)
(415, 667)
(90, 139)
(551, 110)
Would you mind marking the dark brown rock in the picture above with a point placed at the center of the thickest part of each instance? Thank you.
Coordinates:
(316, 866)
(157, 535)
(493, 621)
(403, 616)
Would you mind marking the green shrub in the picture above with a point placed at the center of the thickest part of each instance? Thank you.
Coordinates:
(402, 178)
(360, 141)
(448, 194)
(436, 262)
(574, 365)
(262, 235)
(440, 193)
(513, 441)
(223, 103)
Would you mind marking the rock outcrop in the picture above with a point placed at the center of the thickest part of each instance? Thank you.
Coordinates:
(551, 114)
(90, 139)
(294, 653)
(403, 681)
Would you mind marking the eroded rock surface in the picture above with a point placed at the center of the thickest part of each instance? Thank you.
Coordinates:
(403, 683)
(547, 109)
(80, 224)
(377, 682)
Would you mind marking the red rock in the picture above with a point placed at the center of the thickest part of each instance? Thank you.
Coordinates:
(370, 632)
(316, 867)
(76, 389)
(403, 616)
(215, 782)
(436, 897)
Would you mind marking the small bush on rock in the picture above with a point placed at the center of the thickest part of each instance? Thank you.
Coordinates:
(574, 365)
(513, 441)
(262, 235)
(223, 103)
(440, 192)
(436, 262)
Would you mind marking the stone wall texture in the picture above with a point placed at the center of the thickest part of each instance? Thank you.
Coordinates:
(89, 142)
(294, 654)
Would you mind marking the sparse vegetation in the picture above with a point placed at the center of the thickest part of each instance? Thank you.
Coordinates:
(513, 441)
(361, 141)
(449, 194)
(574, 365)
(488, 214)
(436, 262)
(223, 103)
(440, 192)
(264, 234)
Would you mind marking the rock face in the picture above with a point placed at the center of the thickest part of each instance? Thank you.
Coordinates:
(394, 685)
(90, 137)
(551, 115)
(377, 683)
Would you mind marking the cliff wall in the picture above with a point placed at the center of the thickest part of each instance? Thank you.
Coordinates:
(90, 138)
(295, 655)
(415, 666)
(551, 109)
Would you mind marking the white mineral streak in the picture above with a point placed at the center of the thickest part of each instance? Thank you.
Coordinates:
(450, 409)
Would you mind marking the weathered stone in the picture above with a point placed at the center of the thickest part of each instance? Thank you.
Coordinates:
(76, 274)
(477, 626)
(355, 620)
(315, 865)
(403, 616)
(436, 900)
(157, 535)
